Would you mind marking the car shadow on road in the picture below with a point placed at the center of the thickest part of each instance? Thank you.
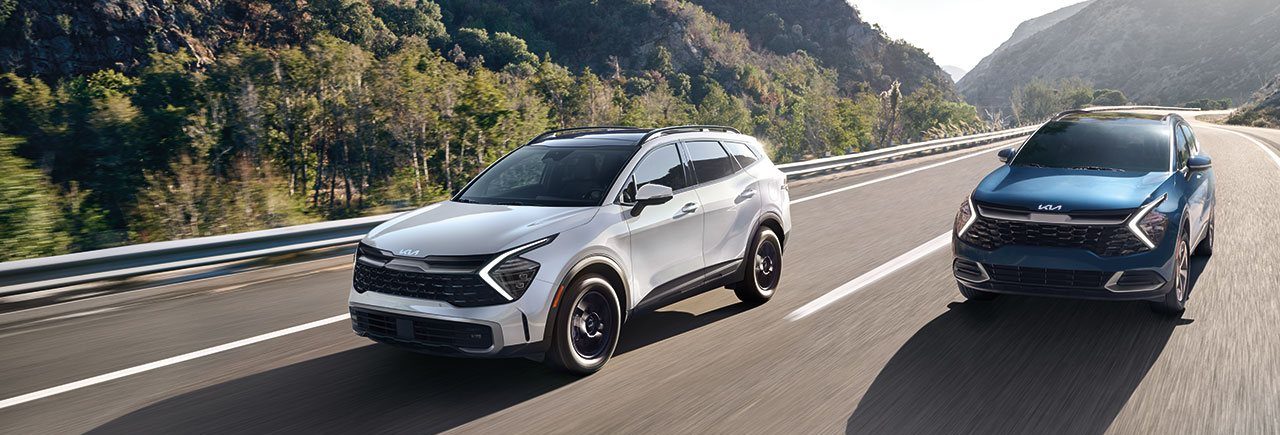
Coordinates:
(376, 388)
(1017, 365)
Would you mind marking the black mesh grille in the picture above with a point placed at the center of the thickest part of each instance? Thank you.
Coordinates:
(458, 289)
(1033, 276)
(430, 332)
(1104, 240)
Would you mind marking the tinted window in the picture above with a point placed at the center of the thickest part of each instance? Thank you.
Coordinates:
(1181, 145)
(1191, 139)
(549, 176)
(710, 161)
(742, 153)
(1099, 144)
(661, 166)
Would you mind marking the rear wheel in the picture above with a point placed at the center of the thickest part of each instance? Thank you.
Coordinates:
(1175, 302)
(764, 261)
(974, 294)
(587, 326)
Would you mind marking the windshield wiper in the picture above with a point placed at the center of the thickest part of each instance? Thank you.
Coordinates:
(1097, 168)
(1033, 165)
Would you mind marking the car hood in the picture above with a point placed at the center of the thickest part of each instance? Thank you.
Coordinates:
(455, 228)
(1073, 189)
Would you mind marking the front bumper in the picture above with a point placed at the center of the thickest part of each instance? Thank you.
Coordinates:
(434, 327)
(1065, 272)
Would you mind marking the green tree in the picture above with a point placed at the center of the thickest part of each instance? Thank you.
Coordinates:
(29, 216)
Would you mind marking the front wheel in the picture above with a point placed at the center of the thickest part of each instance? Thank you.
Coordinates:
(1205, 248)
(764, 260)
(587, 326)
(1175, 302)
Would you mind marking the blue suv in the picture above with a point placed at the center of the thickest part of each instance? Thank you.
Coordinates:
(1095, 205)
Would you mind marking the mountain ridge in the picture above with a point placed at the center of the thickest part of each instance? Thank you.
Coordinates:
(1155, 51)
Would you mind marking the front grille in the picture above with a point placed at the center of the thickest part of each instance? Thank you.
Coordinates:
(1103, 240)
(429, 332)
(1034, 276)
(458, 289)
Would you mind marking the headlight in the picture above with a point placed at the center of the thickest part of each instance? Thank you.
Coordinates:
(509, 273)
(965, 218)
(1149, 225)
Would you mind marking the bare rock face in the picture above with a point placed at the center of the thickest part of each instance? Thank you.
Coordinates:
(1155, 51)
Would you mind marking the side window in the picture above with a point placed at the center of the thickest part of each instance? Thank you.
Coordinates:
(1192, 144)
(661, 166)
(710, 161)
(1180, 146)
(743, 153)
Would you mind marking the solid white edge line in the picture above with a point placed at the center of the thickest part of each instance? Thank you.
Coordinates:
(1266, 149)
(166, 362)
(900, 174)
(871, 277)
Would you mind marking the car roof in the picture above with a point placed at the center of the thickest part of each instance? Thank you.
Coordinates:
(1108, 115)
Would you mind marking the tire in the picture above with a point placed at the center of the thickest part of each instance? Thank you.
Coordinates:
(764, 271)
(1205, 248)
(587, 326)
(974, 294)
(1175, 301)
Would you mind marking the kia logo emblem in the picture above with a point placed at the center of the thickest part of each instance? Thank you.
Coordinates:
(409, 252)
(1050, 207)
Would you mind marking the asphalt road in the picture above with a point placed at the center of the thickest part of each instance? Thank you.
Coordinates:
(901, 355)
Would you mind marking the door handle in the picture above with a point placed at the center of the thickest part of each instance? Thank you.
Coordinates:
(747, 194)
(688, 208)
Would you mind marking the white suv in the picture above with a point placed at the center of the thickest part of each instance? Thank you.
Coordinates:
(549, 250)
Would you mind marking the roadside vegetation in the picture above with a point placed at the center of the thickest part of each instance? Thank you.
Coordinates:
(1261, 111)
(379, 105)
(1039, 100)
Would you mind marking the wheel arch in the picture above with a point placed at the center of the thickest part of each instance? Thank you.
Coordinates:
(601, 264)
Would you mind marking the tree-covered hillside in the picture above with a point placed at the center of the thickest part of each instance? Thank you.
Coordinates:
(139, 120)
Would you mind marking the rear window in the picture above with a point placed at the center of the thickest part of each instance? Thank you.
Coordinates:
(1099, 144)
(742, 153)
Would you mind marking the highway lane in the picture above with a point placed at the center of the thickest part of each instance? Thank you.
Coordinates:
(901, 354)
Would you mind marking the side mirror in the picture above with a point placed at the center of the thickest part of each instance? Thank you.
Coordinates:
(651, 194)
(1005, 154)
(1199, 162)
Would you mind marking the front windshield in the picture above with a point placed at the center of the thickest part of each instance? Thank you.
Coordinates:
(1099, 144)
(549, 176)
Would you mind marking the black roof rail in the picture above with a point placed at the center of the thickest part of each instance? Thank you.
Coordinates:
(685, 129)
(553, 133)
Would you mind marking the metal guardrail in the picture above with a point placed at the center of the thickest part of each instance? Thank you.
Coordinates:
(24, 276)
(829, 164)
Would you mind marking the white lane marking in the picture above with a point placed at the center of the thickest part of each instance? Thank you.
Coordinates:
(900, 174)
(1266, 149)
(874, 275)
(166, 362)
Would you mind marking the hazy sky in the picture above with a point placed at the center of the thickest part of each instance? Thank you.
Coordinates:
(955, 32)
